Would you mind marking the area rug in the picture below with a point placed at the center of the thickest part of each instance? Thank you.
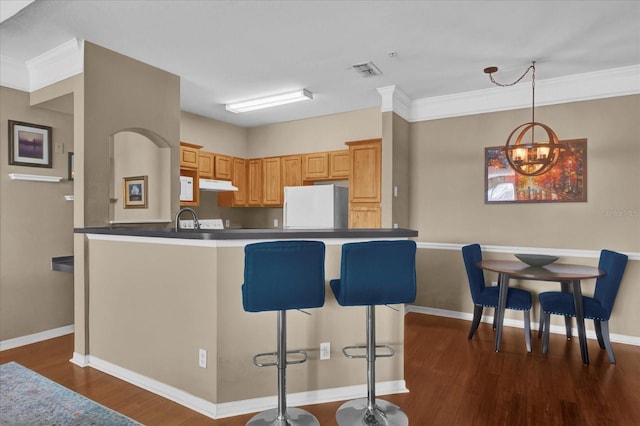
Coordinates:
(27, 398)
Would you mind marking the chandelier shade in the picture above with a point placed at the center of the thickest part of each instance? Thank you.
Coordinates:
(534, 158)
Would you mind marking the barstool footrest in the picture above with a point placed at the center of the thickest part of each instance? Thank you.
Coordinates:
(272, 364)
(389, 354)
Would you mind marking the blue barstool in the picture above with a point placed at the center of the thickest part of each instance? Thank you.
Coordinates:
(279, 276)
(374, 273)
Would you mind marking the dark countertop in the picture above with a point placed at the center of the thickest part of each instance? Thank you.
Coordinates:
(249, 234)
(62, 263)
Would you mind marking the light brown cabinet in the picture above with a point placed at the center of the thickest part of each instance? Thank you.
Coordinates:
(189, 155)
(292, 170)
(365, 180)
(316, 166)
(254, 182)
(272, 181)
(339, 164)
(206, 164)
(223, 167)
(238, 179)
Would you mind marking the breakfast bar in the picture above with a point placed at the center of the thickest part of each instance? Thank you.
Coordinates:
(165, 313)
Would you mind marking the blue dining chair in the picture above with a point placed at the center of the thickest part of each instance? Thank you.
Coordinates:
(484, 296)
(598, 308)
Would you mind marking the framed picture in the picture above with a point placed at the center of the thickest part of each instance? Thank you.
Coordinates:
(565, 182)
(135, 192)
(29, 144)
(71, 170)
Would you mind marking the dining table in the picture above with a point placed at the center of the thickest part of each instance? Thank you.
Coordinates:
(568, 275)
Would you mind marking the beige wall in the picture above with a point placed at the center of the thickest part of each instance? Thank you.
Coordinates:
(447, 201)
(124, 94)
(36, 224)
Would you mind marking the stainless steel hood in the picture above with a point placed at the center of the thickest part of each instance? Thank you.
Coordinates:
(216, 185)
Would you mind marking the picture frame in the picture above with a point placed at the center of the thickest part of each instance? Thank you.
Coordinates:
(565, 182)
(134, 192)
(70, 168)
(29, 144)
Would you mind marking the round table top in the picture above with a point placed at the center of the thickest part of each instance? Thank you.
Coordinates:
(551, 272)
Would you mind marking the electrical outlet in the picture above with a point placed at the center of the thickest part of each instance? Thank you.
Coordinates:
(325, 350)
(227, 223)
(275, 223)
(202, 358)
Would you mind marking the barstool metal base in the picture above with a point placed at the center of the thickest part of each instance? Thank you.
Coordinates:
(384, 413)
(294, 417)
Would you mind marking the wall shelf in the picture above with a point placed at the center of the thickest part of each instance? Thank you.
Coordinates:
(34, 178)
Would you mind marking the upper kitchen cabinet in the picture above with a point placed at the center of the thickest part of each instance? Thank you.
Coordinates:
(239, 180)
(272, 181)
(254, 182)
(316, 166)
(206, 165)
(365, 182)
(189, 155)
(223, 167)
(339, 164)
(292, 170)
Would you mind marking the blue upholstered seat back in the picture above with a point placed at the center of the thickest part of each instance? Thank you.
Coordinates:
(607, 285)
(376, 273)
(472, 254)
(282, 275)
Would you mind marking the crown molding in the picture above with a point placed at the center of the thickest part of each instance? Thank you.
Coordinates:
(394, 99)
(580, 87)
(56, 64)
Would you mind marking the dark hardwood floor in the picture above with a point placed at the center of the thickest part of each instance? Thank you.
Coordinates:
(452, 381)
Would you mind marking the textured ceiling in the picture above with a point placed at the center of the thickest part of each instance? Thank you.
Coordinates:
(227, 51)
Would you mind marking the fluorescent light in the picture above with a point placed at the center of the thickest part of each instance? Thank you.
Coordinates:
(270, 101)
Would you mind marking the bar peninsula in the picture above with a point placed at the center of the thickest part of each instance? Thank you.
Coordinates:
(156, 297)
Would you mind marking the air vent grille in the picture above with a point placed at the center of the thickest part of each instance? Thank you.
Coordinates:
(367, 69)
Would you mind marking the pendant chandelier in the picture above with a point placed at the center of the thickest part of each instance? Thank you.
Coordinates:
(532, 158)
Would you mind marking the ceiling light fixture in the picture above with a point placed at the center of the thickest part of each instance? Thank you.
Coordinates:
(535, 158)
(270, 101)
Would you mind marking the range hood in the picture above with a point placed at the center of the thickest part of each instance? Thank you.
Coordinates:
(216, 185)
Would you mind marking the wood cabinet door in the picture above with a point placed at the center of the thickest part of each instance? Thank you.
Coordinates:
(272, 181)
(189, 157)
(292, 170)
(316, 166)
(339, 164)
(223, 167)
(365, 215)
(238, 179)
(254, 177)
(366, 171)
(205, 167)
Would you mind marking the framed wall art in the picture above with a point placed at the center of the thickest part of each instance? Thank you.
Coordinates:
(29, 144)
(134, 192)
(565, 182)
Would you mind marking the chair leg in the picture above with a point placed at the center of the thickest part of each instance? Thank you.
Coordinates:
(477, 316)
(607, 343)
(370, 411)
(545, 336)
(598, 328)
(495, 318)
(282, 415)
(541, 323)
(567, 326)
(527, 329)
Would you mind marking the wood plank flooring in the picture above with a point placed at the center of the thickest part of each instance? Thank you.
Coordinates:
(452, 381)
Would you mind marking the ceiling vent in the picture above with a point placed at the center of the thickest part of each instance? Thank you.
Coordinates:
(367, 69)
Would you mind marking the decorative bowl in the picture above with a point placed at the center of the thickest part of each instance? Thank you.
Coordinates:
(536, 259)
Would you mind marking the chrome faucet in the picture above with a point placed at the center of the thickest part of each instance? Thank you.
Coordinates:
(196, 224)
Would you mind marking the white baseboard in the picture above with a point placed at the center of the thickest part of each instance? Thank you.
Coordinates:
(36, 337)
(236, 408)
(557, 329)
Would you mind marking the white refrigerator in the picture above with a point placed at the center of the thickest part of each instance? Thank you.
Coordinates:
(315, 207)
